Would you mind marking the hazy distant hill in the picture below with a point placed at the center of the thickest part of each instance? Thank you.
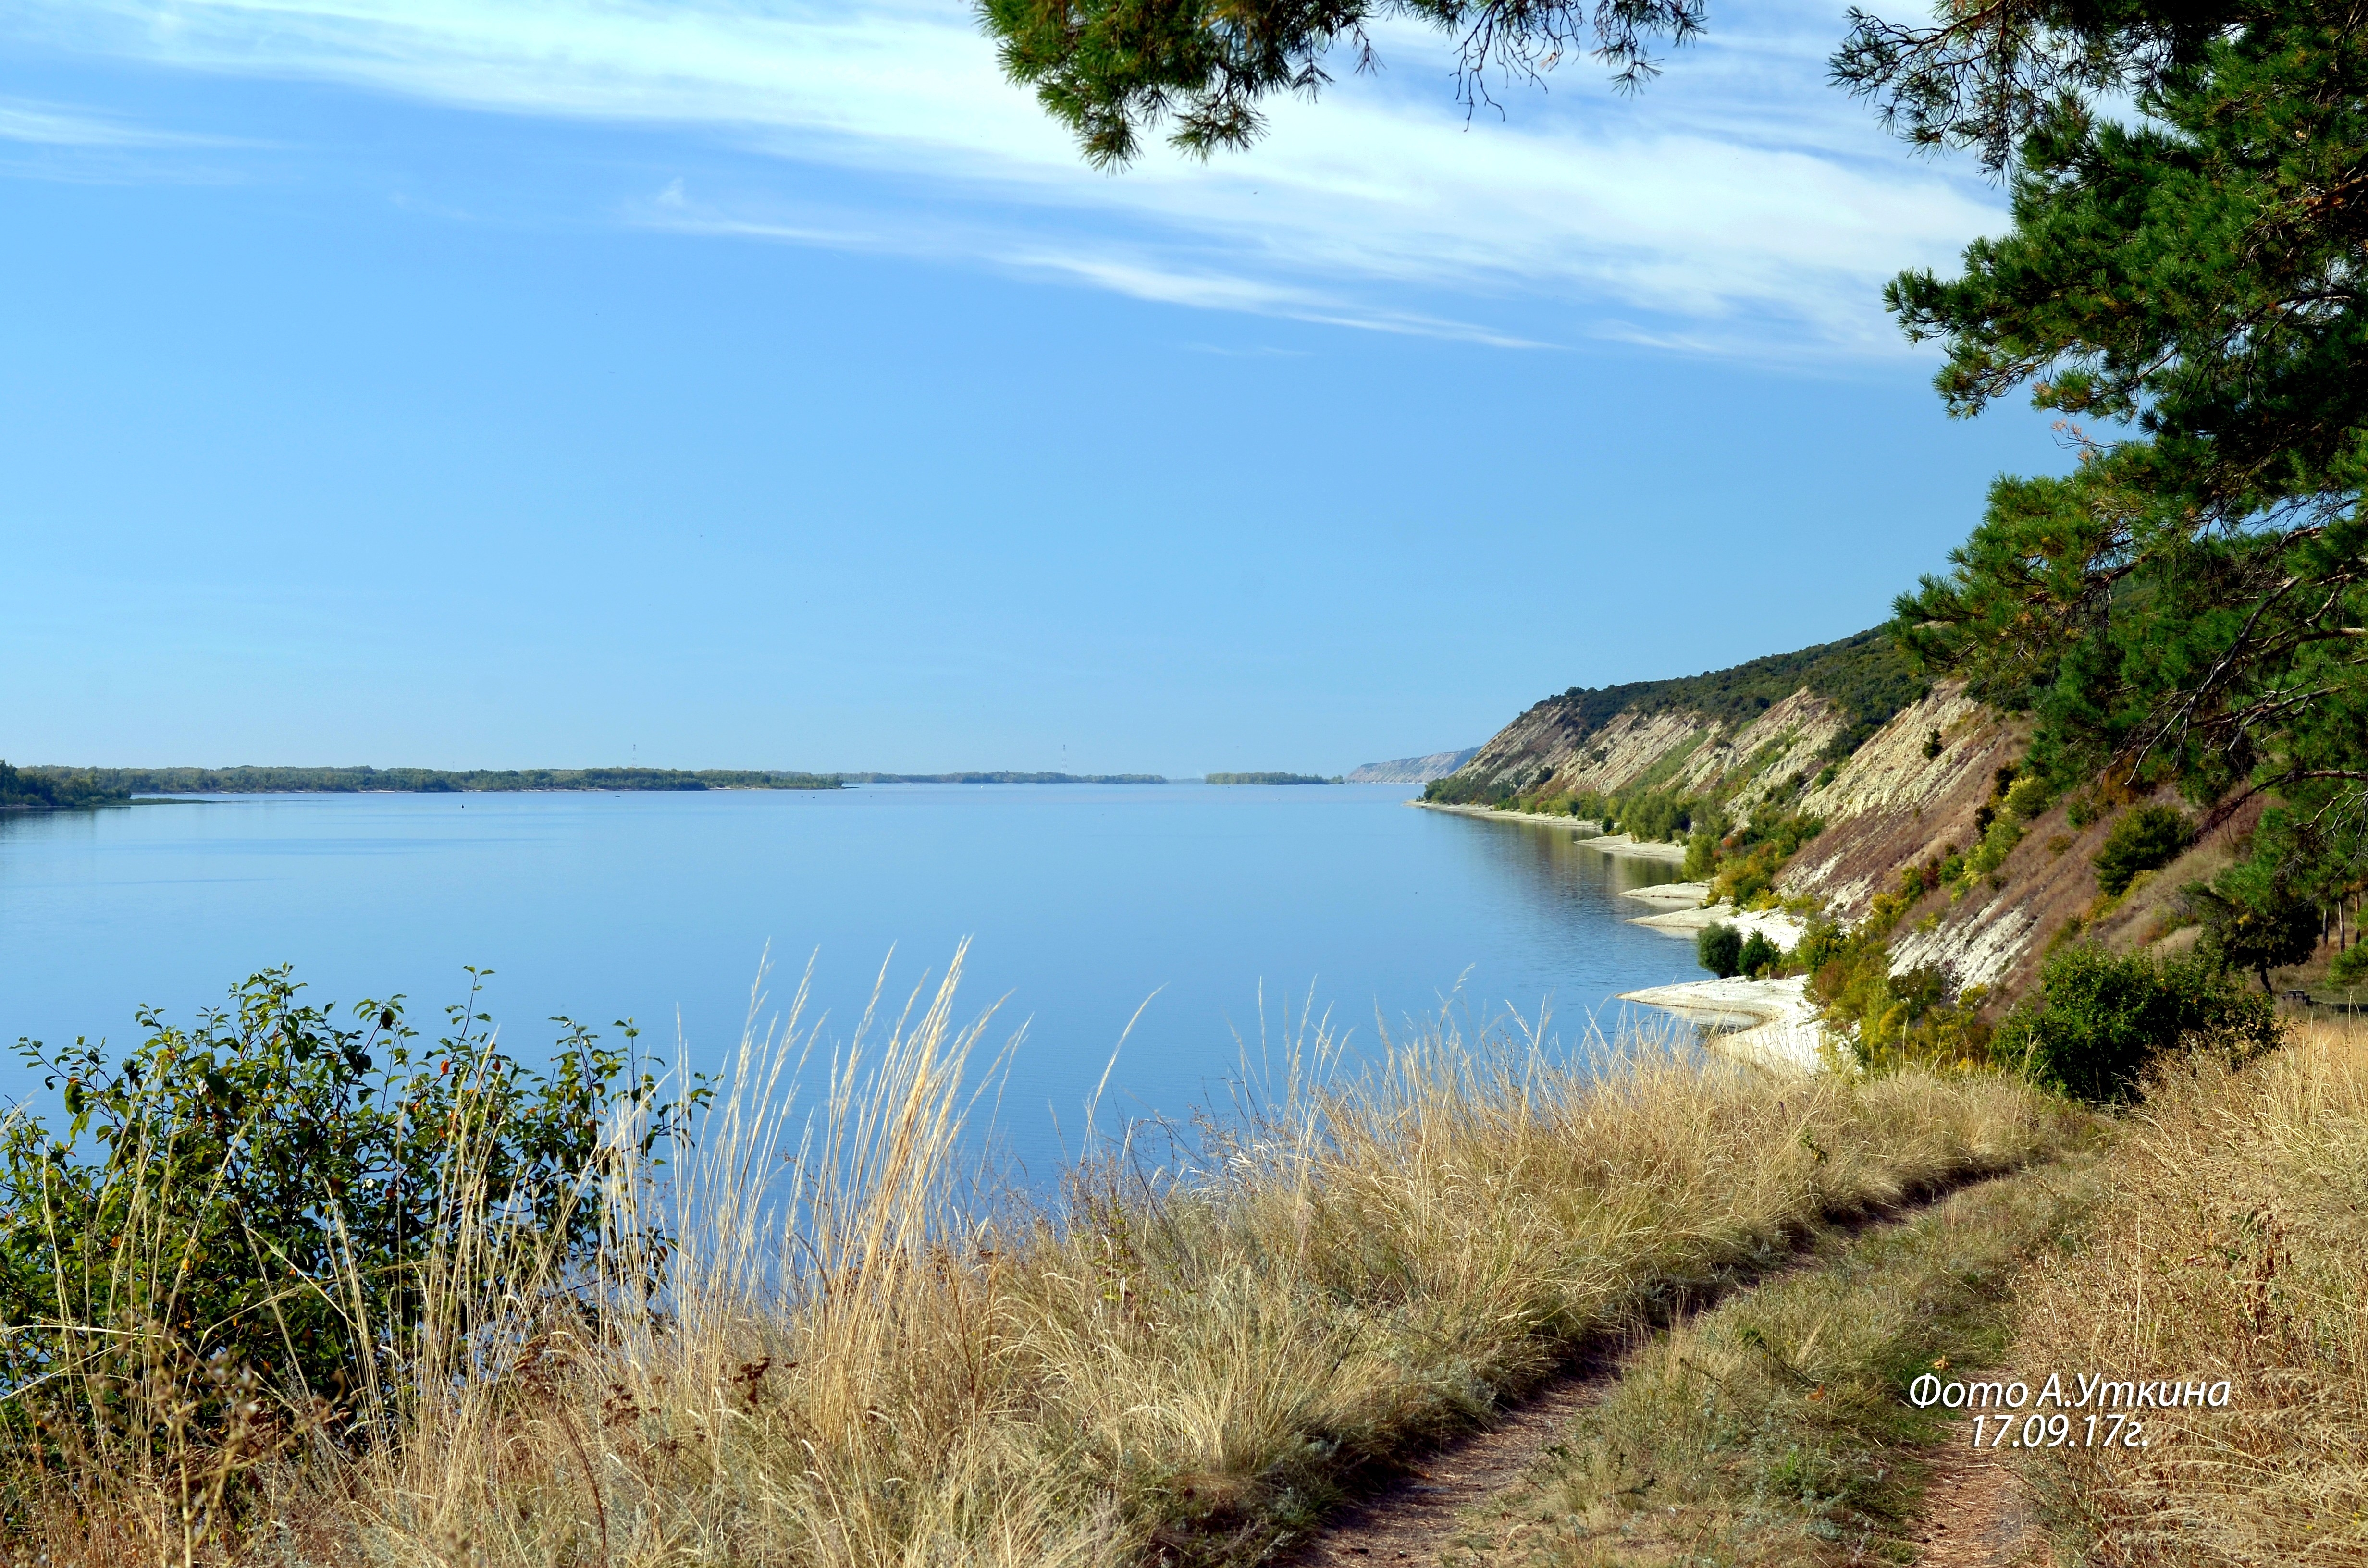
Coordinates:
(1413, 769)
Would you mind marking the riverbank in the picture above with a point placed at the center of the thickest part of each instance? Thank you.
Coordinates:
(1770, 1023)
(1588, 833)
(1686, 915)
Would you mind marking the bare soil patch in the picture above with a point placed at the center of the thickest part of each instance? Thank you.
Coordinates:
(1416, 1517)
(1976, 1515)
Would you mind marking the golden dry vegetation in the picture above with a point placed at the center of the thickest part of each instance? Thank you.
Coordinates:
(862, 1356)
(1771, 1429)
(2231, 1243)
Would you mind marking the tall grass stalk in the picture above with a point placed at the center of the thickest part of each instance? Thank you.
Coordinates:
(2230, 1245)
(860, 1351)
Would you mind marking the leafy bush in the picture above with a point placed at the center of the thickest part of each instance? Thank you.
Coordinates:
(2146, 839)
(2027, 797)
(2350, 967)
(1748, 865)
(1653, 815)
(1759, 957)
(1720, 949)
(1892, 1020)
(2100, 1020)
(1998, 840)
(1702, 855)
(264, 1193)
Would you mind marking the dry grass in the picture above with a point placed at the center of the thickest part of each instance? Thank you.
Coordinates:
(2233, 1244)
(1771, 1429)
(863, 1358)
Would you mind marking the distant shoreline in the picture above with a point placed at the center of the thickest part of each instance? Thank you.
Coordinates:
(1617, 844)
(116, 784)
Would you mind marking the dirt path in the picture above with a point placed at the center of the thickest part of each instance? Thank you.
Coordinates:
(1415, 1519)
(1975, 1515)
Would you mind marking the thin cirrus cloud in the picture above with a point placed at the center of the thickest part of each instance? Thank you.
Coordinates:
(1738, 206)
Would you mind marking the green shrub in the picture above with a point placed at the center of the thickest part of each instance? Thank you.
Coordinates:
(1758, 956)
(1702, 855)
(1720, 949)
(2100, 1020)
(1655, 814)
(1747, 867)
(1891, 1020)
(265, 1192)
(2146, 839)
(1998, 840)
(2350, 965)
(2027, 798)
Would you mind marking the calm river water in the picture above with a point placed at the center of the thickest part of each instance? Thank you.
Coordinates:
(1080, 901)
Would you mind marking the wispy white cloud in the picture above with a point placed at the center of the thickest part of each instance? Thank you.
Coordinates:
(1738, 206)
(53, 125)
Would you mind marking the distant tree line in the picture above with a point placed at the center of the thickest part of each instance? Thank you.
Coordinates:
(47, 786)
(999, 778)
(1267, 778)
(117, 783)
(54, 788)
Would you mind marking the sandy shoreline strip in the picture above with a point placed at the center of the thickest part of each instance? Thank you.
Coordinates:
(1585, 831)
(1772, 1022)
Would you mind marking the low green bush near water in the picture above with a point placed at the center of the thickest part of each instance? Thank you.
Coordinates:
(258, 1200)
(1719, 949)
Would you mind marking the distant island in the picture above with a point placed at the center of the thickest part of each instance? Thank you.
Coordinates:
(120, 783)
(64, 789)
(1413, 769)
(1000, 778)
(1267, 778)
(54, 788)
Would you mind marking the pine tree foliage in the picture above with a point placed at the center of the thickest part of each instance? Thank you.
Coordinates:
(2189, 604)
(1112, 69)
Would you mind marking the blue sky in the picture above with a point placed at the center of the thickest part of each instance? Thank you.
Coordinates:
(502, 382)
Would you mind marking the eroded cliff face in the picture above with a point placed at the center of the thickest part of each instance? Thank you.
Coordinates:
(1891, 806)
(1912, 795)
(1771, 758)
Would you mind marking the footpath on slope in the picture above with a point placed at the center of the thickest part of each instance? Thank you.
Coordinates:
(1927, 1278)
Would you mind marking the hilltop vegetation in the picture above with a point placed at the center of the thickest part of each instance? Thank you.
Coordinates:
(1866, 676)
